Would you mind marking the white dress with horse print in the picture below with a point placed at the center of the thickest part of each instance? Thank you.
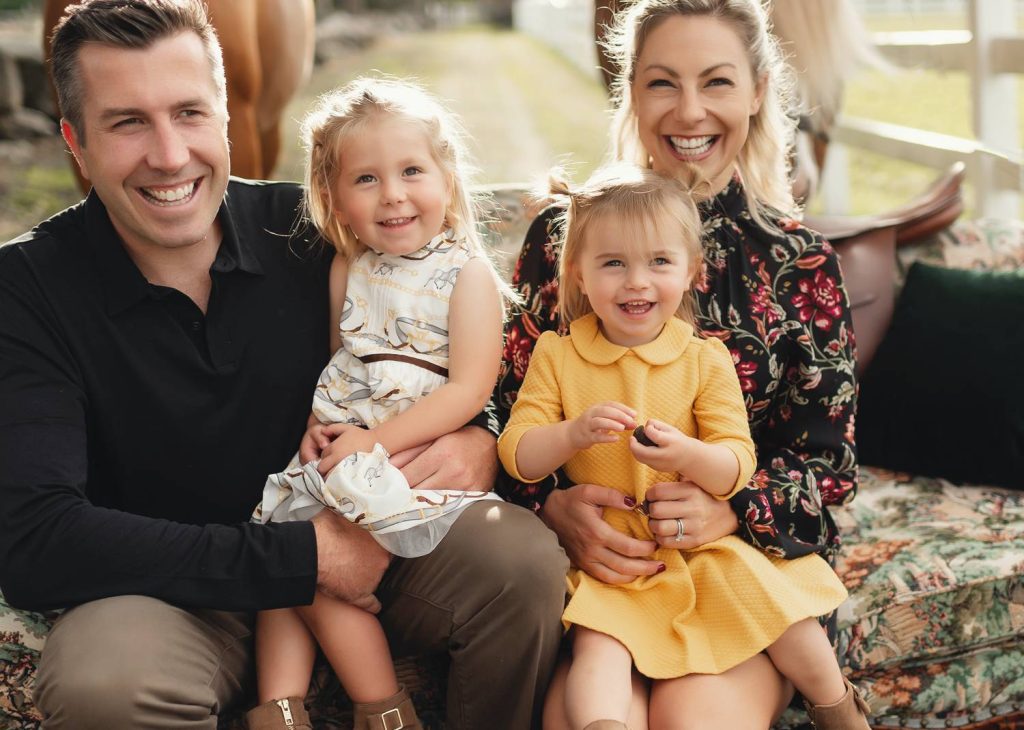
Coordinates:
(394, 351)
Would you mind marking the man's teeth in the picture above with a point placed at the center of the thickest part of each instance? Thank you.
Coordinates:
(172, 195)
(395, 221)
(692, 146)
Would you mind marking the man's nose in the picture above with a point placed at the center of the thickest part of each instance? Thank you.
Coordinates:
(169, 151)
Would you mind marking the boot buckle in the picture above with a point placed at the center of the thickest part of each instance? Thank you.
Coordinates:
(392, 719)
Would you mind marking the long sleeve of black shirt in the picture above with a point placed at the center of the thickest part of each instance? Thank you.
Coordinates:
(136, 431)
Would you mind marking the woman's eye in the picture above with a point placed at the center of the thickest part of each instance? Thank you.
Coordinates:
(721, 81)
(659, 83)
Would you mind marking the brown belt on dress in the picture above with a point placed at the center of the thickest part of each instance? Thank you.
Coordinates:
(426, 365)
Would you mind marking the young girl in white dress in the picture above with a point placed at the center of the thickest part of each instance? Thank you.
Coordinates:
(416, 312)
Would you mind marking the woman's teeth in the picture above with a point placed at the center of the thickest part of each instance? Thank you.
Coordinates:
(692, 146)
(172, 195)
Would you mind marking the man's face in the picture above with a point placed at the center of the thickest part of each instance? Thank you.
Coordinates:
(156, 148)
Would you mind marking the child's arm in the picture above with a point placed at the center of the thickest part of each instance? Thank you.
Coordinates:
(543, 449)
(721, 459)
(474, 333)
(316, 438)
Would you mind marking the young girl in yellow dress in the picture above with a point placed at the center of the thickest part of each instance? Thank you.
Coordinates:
(631, 253)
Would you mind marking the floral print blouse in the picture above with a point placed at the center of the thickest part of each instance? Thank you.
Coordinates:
(777, 301)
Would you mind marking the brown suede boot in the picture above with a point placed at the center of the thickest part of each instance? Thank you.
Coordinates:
(394, 713)
(286, 714)
(849, 713)
(606, 725)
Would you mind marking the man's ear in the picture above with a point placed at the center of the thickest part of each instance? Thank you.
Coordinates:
(71, 137)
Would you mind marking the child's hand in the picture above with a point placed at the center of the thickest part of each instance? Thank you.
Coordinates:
(670, 450)
(347, 439)
(314, 441)
(601, 424)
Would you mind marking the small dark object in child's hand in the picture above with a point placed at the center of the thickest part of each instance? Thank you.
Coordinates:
(640, 435)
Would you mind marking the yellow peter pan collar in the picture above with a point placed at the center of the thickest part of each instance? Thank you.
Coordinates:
(592, 346)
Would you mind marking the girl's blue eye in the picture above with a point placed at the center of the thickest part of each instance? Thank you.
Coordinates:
(613, 262)
(660, 261)
(412, 171)
(365, 179)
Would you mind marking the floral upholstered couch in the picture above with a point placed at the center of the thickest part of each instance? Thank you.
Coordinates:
(933, 631)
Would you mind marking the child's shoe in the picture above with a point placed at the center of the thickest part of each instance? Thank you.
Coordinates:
(394, 713)
(606, 725)
(849, 713)
(286, 714)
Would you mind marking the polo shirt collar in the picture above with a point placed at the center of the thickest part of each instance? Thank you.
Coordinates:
(592, 346)
(123, 283)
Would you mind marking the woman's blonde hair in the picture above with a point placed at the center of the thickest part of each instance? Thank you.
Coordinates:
(763, 161)
(636, 198)
(342, 111)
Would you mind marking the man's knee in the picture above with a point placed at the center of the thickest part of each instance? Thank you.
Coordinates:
(127, 661)
(520, 558)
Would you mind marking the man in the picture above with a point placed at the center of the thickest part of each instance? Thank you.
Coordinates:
(159, 343)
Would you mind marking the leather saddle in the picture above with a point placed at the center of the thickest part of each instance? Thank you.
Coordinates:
(867, 250)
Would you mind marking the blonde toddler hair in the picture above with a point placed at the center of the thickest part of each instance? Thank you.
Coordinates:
(636, 197)
(342, 111)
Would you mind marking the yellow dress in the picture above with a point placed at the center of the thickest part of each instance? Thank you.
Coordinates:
(714, 606)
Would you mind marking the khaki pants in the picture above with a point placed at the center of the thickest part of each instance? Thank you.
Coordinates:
(491, 595)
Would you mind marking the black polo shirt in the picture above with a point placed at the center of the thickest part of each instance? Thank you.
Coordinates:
(136, 432)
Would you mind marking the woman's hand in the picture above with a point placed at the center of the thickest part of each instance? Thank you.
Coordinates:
(593, 545)
(705, 518)
(600, 424)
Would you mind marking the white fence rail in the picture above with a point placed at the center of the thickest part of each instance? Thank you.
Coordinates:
(990, 51)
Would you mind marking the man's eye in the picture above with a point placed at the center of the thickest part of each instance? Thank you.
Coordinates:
(130, 121)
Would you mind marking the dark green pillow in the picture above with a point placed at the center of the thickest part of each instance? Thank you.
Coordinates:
(944, 395)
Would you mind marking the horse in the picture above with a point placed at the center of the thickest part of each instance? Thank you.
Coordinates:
(268, 56)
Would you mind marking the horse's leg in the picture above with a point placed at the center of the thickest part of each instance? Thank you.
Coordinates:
(52, 12)
(236, 27)
(287, 34)
(604, 12)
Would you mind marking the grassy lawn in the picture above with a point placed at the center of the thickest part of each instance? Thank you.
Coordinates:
(929, 100)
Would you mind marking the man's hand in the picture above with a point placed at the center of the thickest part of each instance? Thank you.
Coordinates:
(466, 459)
(350, 563)
(591, 543)
(705, 518)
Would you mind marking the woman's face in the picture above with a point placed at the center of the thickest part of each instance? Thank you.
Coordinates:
(694, 94)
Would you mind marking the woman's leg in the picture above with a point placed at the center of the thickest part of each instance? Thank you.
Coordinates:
(747, 697)
(285, 651)
(805, 656)
(555, 717)
(598, 685)
(354, 643)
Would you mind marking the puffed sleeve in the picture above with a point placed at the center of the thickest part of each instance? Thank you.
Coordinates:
(536, 280)
(539, 402)
(807, 456)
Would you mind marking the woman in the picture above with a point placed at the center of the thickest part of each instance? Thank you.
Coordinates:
(702, 93)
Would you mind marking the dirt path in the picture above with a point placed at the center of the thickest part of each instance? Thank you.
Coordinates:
(525, 109)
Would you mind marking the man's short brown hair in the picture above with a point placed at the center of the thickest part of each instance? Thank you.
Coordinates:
(124, 24)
